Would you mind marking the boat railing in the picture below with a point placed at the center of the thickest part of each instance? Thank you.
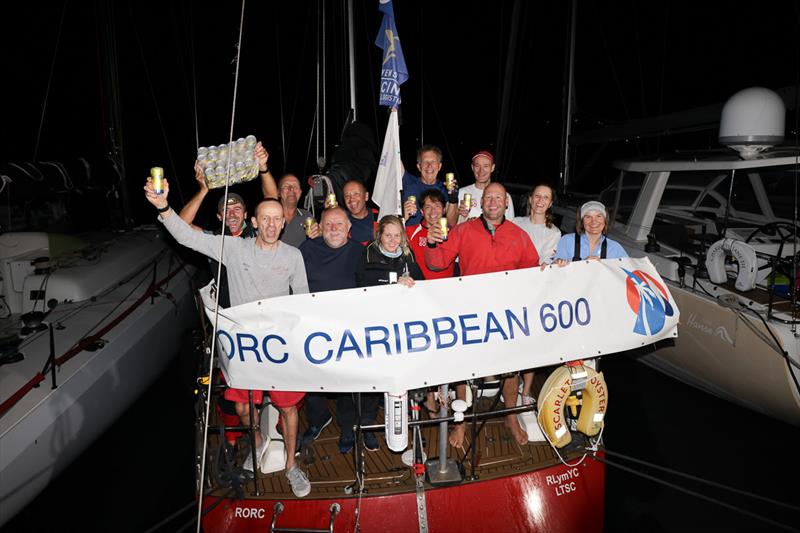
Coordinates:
(476, 419)
(88, 343)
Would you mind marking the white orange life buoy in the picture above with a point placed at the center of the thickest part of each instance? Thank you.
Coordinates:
(746, 257)
(554, 397)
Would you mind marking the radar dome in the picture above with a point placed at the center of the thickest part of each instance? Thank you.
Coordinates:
(752, 121)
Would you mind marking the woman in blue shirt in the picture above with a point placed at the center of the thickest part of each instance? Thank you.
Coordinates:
(590, 241)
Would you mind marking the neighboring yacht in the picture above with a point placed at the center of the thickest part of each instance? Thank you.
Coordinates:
(720, 228)
(88, 323)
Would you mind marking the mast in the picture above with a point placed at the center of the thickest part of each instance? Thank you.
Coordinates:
(505, 103)
(111, 91)
(569, 88)
(351, 58)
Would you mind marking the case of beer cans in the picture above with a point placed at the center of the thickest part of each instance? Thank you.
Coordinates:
(237, 157)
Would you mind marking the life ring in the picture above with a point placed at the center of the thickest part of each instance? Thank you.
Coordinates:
(746, 257)
(554, 398)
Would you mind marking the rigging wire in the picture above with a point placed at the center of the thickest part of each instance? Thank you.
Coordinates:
(50, 80)
(597, 18)
(310, 141)
(440, 122)
(664, 39)
(637, 47)
(324, 90)
(370, 52)
(171, 517)
(194, 81)
(351, 60)
(307, 28)
(796, 170)
(219, 274)
(150, 86)
(695, 494)
(280, 87)
(316, 107)
(702, 480)
(420, 58)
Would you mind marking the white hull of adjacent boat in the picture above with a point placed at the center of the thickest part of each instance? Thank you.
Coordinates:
(46, 429)
(729, 353)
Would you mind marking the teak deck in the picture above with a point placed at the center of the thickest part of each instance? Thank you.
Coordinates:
(332, 473)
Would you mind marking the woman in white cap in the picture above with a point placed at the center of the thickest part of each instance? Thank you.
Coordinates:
(590, 241)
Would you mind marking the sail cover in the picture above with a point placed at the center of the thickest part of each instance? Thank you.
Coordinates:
(394, 338)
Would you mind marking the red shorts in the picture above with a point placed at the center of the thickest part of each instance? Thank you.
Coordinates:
(279, 398)
(241, 396)
(229, 420)
(286, 399)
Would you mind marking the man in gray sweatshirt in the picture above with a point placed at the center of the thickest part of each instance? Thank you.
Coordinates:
(257, 268)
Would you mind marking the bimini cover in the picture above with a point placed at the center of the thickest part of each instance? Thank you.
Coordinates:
(752, 120)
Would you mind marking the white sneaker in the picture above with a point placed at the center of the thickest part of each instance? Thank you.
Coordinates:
(300, 484)
(260, 452)
(527, 400)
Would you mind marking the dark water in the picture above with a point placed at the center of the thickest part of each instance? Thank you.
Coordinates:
(141, 470)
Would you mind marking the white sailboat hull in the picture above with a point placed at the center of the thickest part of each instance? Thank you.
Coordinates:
(736, 336)
(46, 429)
(731, 355)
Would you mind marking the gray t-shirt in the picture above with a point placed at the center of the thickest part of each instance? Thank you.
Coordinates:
(294, 233)
(253, 273)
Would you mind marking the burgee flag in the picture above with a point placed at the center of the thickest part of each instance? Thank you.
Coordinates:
(390, 171)
(393, 69)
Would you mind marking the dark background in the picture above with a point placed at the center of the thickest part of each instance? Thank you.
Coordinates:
(480, 73)
(176, 87)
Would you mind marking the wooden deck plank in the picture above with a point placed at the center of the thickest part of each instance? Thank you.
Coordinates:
(330, 471)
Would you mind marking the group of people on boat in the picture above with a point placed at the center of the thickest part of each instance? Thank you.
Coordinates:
(444, 231)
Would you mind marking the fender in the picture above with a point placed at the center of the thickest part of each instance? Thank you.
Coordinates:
(745, 256)
(562, 383)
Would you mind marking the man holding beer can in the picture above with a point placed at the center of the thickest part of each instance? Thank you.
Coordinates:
(331, 263)
(286, 274)
(469, 197)
(429, 163)
(485, 244)
(363, 219)
(300, 223)
(433, 205)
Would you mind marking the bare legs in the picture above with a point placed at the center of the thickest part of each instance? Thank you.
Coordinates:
(289, 422)
(527, 384)
(456, 438)
(243, 410)
(510, 391)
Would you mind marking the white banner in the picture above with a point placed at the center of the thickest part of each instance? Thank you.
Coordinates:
(394, 338)
(386, 193)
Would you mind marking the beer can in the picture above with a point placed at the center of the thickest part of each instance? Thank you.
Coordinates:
(468, 200)
(307, 224)
(157, 173)
(330, 201)
(443, 226)
(450, 181)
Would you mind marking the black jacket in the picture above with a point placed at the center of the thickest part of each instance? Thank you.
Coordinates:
(375, 267)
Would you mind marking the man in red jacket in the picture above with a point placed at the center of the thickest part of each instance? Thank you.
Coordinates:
(433, 207)
(486, 244)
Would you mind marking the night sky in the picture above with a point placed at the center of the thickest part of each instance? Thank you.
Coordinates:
(633, 60)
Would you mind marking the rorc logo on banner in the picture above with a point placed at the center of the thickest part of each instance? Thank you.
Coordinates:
(648, 299)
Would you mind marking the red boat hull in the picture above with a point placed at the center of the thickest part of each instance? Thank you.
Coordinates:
(557, 499)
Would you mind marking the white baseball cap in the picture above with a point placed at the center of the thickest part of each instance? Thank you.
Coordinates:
(594, 205)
